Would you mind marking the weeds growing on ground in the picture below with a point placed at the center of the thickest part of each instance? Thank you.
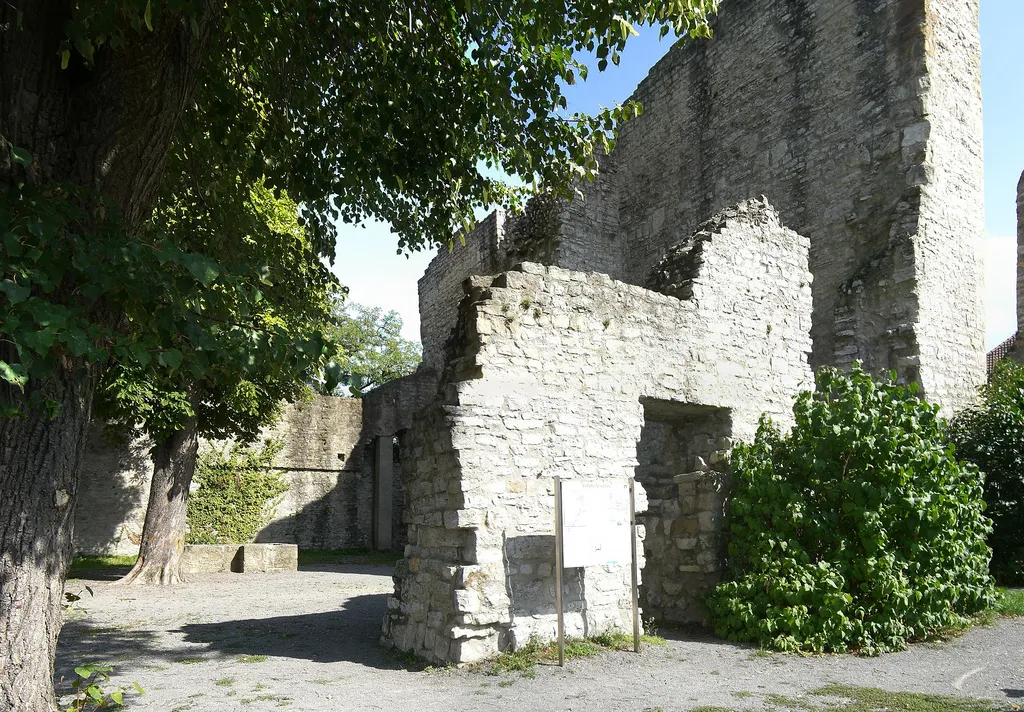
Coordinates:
(524, 659)
(846, 698)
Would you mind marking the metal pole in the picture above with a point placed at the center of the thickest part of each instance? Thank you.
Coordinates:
(634, 589)
(558, 571)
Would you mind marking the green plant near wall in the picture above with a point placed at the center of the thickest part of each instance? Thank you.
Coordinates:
(991, 435)
(859, 530)
(236, 490)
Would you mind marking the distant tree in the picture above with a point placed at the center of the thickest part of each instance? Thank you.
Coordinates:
(370, 350)
(384, 109)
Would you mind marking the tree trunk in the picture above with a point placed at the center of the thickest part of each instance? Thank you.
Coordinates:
(39, 467)
(163, 534)
(106, 128)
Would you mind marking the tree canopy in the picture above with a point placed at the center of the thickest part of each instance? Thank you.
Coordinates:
(388, 109)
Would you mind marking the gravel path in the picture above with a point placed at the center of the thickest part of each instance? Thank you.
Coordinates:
(308, 640)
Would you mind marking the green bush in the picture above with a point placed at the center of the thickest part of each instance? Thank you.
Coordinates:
(234, 494)
(992, 437)
(857, 531)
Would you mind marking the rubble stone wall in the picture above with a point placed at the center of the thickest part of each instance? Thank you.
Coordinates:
(861, 122)
(548, 377)
(328, 505)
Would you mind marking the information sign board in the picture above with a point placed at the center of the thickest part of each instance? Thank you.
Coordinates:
(595, 523)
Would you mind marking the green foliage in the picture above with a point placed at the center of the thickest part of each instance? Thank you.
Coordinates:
(236, 491)
(991, 435)
(370, 349)
(251, 362)
(347, 109)
(89, 693)
(358, 98)
(859, 530)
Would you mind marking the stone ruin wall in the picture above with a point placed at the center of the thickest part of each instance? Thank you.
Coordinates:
(551, 373)
(327, 462)
(861, 123)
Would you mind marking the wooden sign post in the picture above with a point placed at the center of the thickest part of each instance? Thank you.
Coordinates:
(592, 522)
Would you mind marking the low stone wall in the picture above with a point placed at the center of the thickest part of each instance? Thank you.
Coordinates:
(234, 558)
(550, 373)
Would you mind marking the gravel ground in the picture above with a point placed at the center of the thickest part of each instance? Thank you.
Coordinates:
(309, 640)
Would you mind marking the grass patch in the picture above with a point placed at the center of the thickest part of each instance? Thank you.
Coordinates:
(112, 565)
(847, 698)
(624, 641)
(524, 659)
(313, 557)
(1011, 602)
(252, 658)
(225, 682)
(868, 699)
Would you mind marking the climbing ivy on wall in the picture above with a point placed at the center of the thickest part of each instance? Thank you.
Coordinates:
(859, 530)
(235, 492)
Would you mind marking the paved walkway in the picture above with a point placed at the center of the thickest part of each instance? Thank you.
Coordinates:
(308, 640)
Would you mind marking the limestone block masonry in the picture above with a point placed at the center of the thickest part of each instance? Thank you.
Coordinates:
(328, 504)
(552, 372)
(861, 122)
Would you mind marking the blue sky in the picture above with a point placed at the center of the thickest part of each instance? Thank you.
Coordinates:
(368, 264)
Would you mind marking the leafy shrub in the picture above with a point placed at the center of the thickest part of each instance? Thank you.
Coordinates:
(992, 437)
(858, 530)
(234, 494)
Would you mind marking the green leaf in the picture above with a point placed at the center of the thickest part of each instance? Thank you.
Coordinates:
(171, 358)
(148, 16)
(117, 696)
(13, 374)
(65, 56)
(201, 268)
(20, 155)
(16, 293)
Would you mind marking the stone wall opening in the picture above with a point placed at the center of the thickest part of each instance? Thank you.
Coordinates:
(680, 465)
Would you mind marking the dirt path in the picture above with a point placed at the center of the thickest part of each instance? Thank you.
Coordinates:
(308, 640)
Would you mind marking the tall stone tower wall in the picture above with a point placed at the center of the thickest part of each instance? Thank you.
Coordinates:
(860, 120)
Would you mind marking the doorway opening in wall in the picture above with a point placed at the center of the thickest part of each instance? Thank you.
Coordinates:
(681, 467)
(386, 456)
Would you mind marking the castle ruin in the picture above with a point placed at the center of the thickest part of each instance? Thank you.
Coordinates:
(638, 331)
(621, 335)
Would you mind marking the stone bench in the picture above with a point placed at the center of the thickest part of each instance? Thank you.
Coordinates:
(239, 558)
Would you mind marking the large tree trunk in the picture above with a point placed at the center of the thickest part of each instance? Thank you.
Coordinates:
(39, 466)
(105, 128)
(163, 534)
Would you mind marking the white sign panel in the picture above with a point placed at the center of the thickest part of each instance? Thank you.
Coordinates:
(595, 523)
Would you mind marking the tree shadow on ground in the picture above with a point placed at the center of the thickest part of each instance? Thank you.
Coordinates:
(1013, 694)
(104, 573)
(351, 634)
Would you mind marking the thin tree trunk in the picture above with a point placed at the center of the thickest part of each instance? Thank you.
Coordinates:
(163, 534)
(39, 468)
